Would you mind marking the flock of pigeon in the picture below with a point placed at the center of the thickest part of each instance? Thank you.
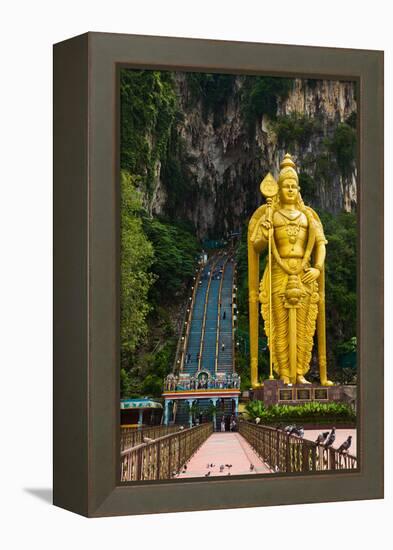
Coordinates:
(210, 469)
(325, 438)
(222, 468)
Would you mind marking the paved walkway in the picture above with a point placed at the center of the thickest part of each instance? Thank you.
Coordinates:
(221, 449)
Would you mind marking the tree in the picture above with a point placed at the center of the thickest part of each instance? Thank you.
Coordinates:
(137, 257)
(340, 290)
(174, 263)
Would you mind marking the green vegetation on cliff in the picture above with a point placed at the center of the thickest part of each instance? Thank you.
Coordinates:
(213, 92)
(137, 257)
(260, 96)
(148, 109)
(176, 252)
(158, 256)
(337, 151)
(150, 139)
(296, 128)
(343, 146)
(176, 174)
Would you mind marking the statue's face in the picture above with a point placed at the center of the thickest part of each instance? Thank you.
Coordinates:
(289, 191)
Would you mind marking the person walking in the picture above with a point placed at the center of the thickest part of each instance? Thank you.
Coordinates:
(224, 315)
(223, 424)
(223, 347)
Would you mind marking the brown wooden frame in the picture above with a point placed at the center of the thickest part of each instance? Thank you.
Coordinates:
(86, 273)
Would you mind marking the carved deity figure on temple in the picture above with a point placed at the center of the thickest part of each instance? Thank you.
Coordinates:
(291, 292)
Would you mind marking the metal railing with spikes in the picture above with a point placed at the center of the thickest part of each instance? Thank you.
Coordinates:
(164, 457)
(289, 453)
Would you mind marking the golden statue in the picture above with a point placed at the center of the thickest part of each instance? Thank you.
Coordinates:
(292, 289)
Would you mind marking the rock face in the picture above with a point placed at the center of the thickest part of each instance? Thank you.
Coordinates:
(228, 161)
(332, 102)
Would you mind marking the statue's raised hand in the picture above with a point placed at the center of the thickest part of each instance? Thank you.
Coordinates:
(261, 230)
(265, 226)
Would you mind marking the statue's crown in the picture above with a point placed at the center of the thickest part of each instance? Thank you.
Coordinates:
(288, 169)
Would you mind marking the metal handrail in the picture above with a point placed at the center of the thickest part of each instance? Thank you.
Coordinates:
(189, 319)
(233, 321)
(130, 437)
(219, 314)
(289, 453)
(164, 457)
(204, 313)
(184, 319)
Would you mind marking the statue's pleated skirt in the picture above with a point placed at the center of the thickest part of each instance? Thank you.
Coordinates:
(306, 315)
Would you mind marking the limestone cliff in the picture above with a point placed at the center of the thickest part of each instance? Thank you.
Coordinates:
(219, 159)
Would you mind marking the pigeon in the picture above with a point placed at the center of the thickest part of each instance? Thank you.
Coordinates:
(321, 438)
(222, 468)
(298, 431)
(208, 473)
(293, 431)
(252, 467)
(184, 468)
(212, 465)
(343, 448)
(288, 429)
(330, 440)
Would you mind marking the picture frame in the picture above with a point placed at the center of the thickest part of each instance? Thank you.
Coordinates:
(86, 273)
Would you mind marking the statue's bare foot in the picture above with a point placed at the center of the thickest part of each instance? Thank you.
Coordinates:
(285, 379)
(327, 383)
(301, 380)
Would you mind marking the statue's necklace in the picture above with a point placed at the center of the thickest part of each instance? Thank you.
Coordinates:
(309, 247)
(292, 225)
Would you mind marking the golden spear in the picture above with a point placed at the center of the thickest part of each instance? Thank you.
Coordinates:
(269, 189)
